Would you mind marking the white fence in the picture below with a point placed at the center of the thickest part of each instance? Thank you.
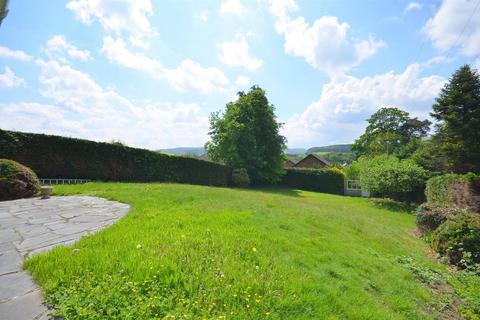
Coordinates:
(354, 188)
(63, 181)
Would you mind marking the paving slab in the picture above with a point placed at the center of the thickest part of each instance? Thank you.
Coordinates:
(15, 285)
(32, 226)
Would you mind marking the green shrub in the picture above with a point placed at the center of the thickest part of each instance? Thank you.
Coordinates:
(61, 157)
(240, 178)
(321, 180)
(455, 190)
(429, 217)
(458, 240)
(353, 171)
(17, 181)
(388, 176)
(336, 169)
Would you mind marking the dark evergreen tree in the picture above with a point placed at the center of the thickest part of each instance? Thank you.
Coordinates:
(458, 111)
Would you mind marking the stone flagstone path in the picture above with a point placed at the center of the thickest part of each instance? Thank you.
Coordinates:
(30, 226)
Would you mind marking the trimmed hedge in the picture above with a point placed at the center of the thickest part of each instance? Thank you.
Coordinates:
(60, 157)
(320, 180)
(454, 190)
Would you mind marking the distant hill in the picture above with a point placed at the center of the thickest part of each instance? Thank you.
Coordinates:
(340, 148)
(295, 150)
(184, 150)
(199, 150)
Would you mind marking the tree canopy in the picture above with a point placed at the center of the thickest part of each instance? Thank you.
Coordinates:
(388, 131)
(458, 111)
(247, 136)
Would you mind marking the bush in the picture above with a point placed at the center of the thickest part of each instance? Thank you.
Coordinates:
(455, 190)
(353, 171)
(17, 181)
(429, 217)
(390, 177)
(240, 178)
(458, 240)
(61, 157)
(321, 180)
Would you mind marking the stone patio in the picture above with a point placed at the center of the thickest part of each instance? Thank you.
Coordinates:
(30, 226)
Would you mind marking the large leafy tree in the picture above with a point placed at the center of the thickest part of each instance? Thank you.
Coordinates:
(458, 111)
(390, 130)
(247, 136)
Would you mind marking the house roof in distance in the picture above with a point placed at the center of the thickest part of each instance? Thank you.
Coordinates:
(316, 157)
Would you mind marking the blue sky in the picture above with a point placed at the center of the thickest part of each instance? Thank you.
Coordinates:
(149, 73)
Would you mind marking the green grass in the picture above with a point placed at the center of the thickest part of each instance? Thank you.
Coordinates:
(216, 253)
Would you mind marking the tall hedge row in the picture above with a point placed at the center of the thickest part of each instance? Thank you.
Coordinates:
(319, 180)
(454, 190)
(61, 157)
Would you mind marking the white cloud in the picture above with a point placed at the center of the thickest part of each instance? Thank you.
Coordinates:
(446, 28)
(77, 91)
(437, 60)
(8, 79)
(121, 17)
(191, 75)
(187, 75)
(412, 6)
(346, 102)
(202, 15)
(139, 42)
(236, 54)
(242, 81)
(82, 108)
(280, 9)
(234, 7)
(325, 44)
(40, 118)
(14, 54)
(57, 47)
(116, 51)
(162, 125)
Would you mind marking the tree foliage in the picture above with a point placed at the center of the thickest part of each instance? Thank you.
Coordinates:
(458, 111)
(388, 176)
(389, 130)
(247, 136)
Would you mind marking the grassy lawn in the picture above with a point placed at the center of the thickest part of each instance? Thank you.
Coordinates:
(215, 253)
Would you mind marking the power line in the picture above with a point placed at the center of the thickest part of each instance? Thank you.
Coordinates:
(458, 38)
(419, 49)
(464, 28)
